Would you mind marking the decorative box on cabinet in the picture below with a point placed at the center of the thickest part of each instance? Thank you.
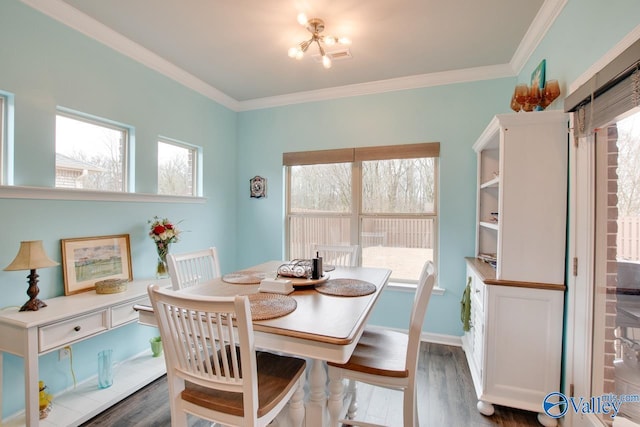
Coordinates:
(514, 344)
(67, 320)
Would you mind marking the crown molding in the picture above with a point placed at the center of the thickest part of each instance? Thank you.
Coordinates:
(537, 31)
(381, 86)
(72, 17)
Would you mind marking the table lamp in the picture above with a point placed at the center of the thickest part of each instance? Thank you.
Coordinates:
(31, 256)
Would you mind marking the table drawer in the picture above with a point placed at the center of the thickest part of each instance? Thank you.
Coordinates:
(69, 331)
(124, 313)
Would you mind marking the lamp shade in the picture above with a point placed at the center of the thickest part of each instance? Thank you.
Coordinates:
(31, 256)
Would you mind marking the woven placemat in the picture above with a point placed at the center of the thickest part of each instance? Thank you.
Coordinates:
(346, 287)
(269, 306)
(245, 277)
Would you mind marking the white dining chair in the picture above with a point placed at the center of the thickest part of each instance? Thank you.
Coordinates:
(338, 255)
(191, 268)
(387, 358)
(213, 369)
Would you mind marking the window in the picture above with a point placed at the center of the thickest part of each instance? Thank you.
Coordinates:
(177, 168)
(381, 198)
(3, 138)
(91, 153)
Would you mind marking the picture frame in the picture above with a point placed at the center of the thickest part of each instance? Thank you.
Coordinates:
(538, 77)
(87, 260)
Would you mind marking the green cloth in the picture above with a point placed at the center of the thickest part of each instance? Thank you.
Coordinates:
(465, 307)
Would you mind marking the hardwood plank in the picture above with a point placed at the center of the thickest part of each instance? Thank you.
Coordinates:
(446, 397)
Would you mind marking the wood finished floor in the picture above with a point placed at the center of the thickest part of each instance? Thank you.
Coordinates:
(445, 398)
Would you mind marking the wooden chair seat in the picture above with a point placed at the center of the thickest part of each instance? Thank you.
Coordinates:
(379, 352)
(276, 376)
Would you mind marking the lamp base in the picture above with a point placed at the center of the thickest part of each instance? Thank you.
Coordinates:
(33, 305)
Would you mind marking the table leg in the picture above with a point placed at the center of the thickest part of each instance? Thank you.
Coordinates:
(317, 404)
(296, 404)
(336, 396)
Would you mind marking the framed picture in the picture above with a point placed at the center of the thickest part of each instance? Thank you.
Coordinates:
(258, 187)
(87, 260)
(538, 78)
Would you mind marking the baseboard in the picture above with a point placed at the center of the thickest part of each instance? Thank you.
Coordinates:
(441, 339)
(429, 336)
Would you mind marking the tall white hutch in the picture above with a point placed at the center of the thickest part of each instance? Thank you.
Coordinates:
(514, 344)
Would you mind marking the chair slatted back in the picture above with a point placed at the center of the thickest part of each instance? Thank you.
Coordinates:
(201, 338)
(192, 268)
(338, 255)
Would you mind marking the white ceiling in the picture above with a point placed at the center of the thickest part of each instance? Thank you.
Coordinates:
(235, 51)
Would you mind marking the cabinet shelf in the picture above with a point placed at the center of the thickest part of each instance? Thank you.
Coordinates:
(489, 225)
(494, 183)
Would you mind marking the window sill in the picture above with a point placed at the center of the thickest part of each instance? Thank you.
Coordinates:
(410, 287)
(18, 192)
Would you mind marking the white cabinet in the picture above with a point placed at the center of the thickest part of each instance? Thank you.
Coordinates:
(514, 346)
(522, 181)
(67, 320)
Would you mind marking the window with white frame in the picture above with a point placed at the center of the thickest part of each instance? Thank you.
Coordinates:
(381, 198)
(91, 153)
(177, 168)
(3, 137)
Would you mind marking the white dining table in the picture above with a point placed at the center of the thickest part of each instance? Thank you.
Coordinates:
(322, 328)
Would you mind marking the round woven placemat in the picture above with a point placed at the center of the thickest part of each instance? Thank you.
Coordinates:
(346, 287)
(269, 306)
(245, 277)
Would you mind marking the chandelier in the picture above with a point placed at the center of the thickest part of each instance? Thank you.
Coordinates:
(315, 26)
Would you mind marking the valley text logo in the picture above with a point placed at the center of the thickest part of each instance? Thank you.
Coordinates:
(556, 404)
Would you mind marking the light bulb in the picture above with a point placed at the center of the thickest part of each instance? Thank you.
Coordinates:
(299, 54)
(344, 40)
(293, 52)
(329, 40)
(302, 19)
(326, 61)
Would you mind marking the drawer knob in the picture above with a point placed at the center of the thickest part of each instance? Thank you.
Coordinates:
(77, 328)
(477, 291)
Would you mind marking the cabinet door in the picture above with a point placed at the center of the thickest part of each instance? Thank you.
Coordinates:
(533, 168)
(524, 338)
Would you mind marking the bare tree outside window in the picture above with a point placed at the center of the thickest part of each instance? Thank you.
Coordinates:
(393, 218)
(176, 169)
(90, 155)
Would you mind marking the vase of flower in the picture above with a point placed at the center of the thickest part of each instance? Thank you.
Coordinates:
(163, 232)
(162, 271)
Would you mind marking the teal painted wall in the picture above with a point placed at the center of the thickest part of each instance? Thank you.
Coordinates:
(45, 64)
(453, 115)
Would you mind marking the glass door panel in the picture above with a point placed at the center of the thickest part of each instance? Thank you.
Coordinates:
(616, 336)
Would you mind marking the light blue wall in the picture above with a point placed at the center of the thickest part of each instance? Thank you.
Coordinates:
(453, 115)
(45, 64)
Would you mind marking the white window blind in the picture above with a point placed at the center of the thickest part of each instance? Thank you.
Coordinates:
(613, 91)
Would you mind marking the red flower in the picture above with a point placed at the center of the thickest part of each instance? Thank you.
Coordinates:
(158, 229)
(168, 226)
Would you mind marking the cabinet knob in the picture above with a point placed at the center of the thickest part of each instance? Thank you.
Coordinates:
(77, 328)
(477, 291)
